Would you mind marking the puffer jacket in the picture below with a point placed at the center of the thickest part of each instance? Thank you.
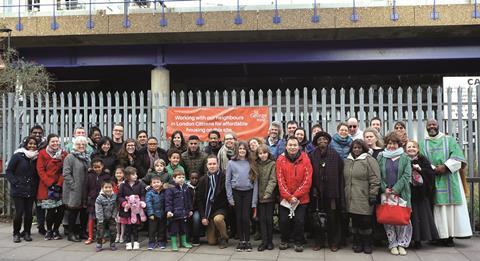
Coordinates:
(362, 182)
(294, 178)
(178, 201)
(267, 181)
(105, 207)
(22, 175)
(155, 203)
(194, 162)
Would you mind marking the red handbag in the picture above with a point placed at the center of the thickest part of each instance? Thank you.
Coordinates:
(393, 214)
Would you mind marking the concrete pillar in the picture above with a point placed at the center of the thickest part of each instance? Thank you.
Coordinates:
(160, 83)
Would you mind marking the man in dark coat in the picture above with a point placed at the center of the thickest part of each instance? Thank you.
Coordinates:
(193, 159)
(212, 204)
(146, 157)
(328, 194)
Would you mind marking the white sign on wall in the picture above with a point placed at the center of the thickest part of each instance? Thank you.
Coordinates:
(464, 82)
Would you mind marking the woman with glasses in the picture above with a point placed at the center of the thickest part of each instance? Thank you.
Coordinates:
(341, 141)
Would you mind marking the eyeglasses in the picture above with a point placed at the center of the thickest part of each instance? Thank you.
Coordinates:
(352, 126)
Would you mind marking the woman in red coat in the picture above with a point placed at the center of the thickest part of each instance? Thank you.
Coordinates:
(294, 175)
(49, 195)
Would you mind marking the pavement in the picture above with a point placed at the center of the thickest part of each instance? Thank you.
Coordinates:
(39, 249)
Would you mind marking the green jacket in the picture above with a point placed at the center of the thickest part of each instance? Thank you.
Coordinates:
(267, 181)
(404, 175)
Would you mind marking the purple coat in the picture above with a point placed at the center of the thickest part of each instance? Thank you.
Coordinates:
(126, 190)
(178, 201)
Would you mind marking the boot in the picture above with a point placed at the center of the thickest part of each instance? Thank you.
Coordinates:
(357, 244)
(173, 239)
(367, 243)
(183, 241)
(90, 232)
(72, 236)
(27, 237)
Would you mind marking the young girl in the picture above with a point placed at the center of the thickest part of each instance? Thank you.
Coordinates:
(131, 186)
(119, 178)
(267, 182)
(242, 192)
(179, 208)
(159, 171)
(174, 156)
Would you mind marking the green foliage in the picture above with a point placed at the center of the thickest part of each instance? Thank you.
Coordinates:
(28, 76)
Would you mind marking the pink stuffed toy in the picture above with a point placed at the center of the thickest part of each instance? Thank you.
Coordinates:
(136, 205)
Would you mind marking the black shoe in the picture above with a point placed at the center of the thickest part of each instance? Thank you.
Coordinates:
(16, 238)
(42, 231)
(448, 242)
(49, 235)
(240, 247)
(298, 248)
(247, 247)
(257, 236)
(56, 235)
(283, 245)
(73, 238)
(270, 246)
(27, 237)
(367, 249)
(261, 247)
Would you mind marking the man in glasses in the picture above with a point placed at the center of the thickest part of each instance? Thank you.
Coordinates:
(117, 137)
(353, 129)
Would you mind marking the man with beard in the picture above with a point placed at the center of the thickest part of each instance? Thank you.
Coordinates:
(328, 194)
(214, 143)
(146, 157)
(450, 206)
(273, 140)
(193, 159)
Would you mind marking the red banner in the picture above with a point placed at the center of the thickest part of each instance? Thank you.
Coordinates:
(246, 122)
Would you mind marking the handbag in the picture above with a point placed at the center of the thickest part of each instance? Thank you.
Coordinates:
(393, 210)
(319, 218)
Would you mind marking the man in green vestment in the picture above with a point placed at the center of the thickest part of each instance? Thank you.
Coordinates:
(450, 205)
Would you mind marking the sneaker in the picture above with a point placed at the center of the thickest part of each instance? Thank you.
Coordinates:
(195, 242)
(56, 235)
(162, 245)
(394, 251)
(49, 235)
(121, 240)
(113, 247)
(27, 237)
(261, 247)
(247, 247)
(240, 247)
(117, 239)
(151, 246)
(98, 248)
(402, 251)
(136, 246)
(128, 246)
(283, 245)
(88, 241)
(298, 248)
(16, 238)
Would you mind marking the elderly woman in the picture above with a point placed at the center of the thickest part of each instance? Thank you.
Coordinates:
(396, 172)
(374, 141)
(75, 170)
(341, 140)
(22, 176)
(294, 176)
(423, 189)
(49, 195)
(362, 182)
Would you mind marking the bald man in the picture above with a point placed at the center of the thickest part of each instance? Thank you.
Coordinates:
(353, 129)
(450, 206)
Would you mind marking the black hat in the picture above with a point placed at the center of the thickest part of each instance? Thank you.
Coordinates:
(321, 134)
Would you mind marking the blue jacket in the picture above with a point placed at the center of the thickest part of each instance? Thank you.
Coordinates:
(178, 201)
(22, 175)
(155, 203)
(276, 148)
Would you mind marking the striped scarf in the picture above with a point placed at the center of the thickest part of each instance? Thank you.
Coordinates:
(211, 193)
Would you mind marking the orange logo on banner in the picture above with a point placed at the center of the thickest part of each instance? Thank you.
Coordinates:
(246, 122)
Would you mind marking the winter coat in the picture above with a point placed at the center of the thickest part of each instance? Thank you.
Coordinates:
(362, 182)
(294, 178)
(341, 145)
(49, 171)
(404, 175)
(178, 201)
(427, 189)
(93, 187)
(193, 194)
(276, 148)
(220, 203)
(126, 190)
(109, 160)
(105, 207)
(75, 180)
(22, 174)
(267, 180)
(194, 162)
(164, 177)
(155, 203)
(142, 161)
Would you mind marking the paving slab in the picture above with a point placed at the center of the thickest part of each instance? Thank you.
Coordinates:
(61, 255)
(437, 256)
(202, 257)
(27, 253)
(157, 255)
(307, 253)
(114, 255)
(265, 255)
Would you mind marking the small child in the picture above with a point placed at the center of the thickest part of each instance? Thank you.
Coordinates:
(95, 178)
(178, 206)
(157, 223)
(119, 178)
(105, 211)
(159, 171)
(131, 186)
(195, 225)
(174, 156)
(267, 182)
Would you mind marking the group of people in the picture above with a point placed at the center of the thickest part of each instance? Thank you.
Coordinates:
(328, 186)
